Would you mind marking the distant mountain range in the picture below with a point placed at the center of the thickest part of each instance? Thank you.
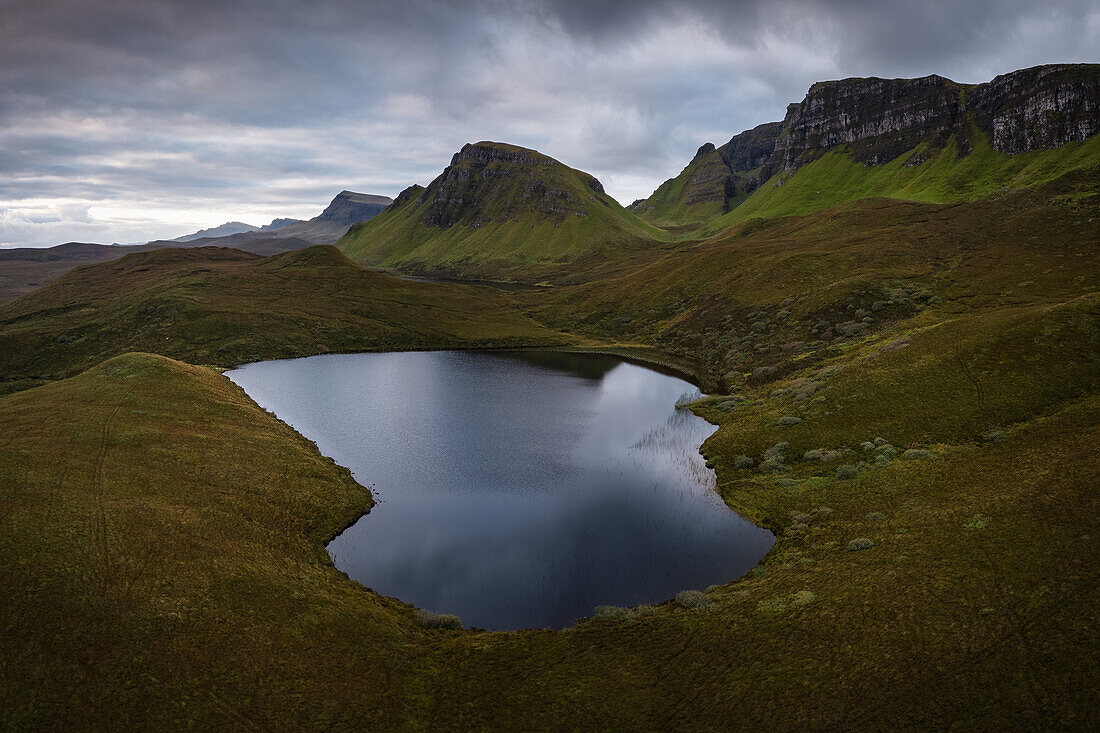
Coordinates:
(24, 269)
(347, 208)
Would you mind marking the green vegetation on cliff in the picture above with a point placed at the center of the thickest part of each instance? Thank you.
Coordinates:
(940, 175)
(499, 211)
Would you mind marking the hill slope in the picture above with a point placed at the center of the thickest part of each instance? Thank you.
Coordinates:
(931, 125)
(497, 210)
(162, 536)
(223, 306)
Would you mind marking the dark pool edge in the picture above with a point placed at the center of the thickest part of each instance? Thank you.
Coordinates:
(627, 354)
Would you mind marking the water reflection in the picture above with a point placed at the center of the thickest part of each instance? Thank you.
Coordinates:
(515, 490)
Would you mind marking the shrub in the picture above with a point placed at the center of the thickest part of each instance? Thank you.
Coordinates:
(800, 517)
(879, 442)
(614, 613)
(867, 446)
(796, 529)
(814, 454)
(845, 472)
(777, 450)
(429, 620)
(875, 517)
(803, 598)
(734, 378)
(692, 599)
(860, 543)
(821, 512)
(788, 420)
(806, 391)
(978, 521)
(996, 436)
(916, 454)
(774, 465)
(743, 461)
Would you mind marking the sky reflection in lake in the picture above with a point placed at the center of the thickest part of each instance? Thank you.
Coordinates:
(515, 490)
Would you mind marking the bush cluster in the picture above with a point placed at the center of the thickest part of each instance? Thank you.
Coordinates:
(692, 599)
(430, 620)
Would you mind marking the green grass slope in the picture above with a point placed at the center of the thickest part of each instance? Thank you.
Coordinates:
(223, 307)
(498, 211)
(163, 563)
(939, 175)
(692, 198)
(906, 392)
(163, 566)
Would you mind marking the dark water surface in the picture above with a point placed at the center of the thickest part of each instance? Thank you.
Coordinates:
(515, 490)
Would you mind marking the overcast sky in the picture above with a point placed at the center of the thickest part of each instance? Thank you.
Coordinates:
(127, 120)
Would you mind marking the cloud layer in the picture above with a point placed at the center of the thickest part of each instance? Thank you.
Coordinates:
(125, 120)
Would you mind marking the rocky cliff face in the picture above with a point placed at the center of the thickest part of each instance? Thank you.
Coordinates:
(880, 119)
(877, 120)
(1038, 108)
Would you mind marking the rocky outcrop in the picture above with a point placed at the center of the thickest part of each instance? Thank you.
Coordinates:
(877, 120)
(494, 182)
(486, 153)
(1038, 108)
(751, 148)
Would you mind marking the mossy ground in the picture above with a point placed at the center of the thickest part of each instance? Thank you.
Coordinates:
(163, 558)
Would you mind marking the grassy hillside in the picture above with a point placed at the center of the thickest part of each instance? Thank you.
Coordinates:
(831, 263)
(907, 393)
(162, 534)
(939, 175)
(692, 198)
(223, 306)
(163, 563)
(498, 211)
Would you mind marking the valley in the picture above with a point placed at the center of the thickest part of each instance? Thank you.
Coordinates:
(893, 310)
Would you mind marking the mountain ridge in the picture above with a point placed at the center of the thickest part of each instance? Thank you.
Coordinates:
(875, 120)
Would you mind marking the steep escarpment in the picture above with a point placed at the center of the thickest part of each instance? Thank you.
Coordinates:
(1033, 109)
(875, 121)
(495, 210)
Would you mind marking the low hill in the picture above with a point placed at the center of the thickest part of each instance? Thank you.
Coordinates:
(223, 306)
(24, 269)
(497, 211)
